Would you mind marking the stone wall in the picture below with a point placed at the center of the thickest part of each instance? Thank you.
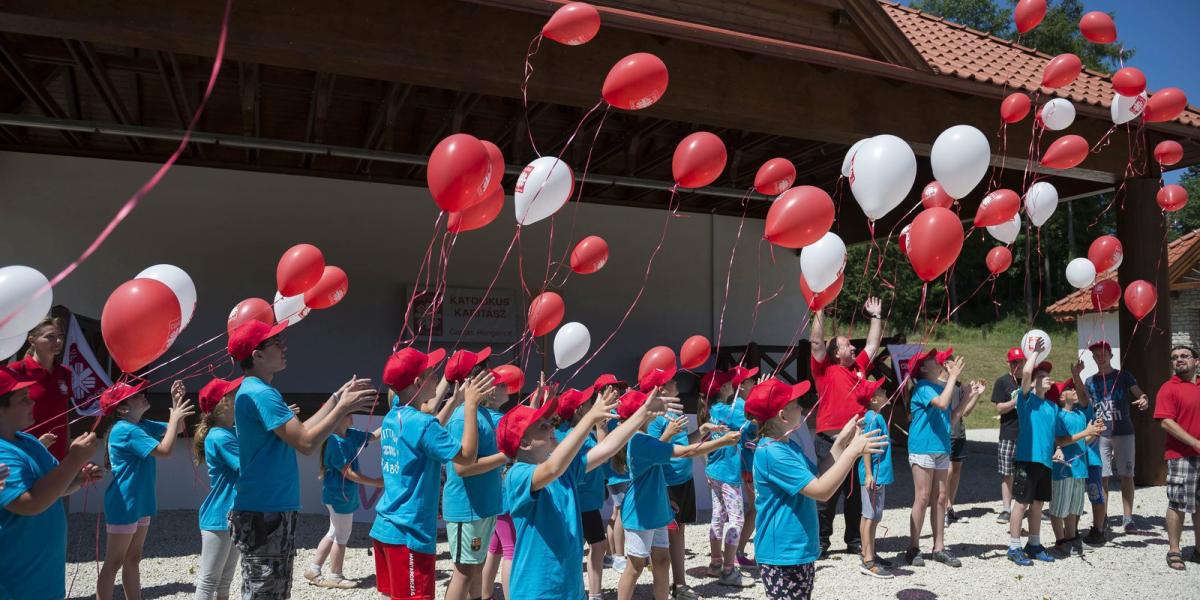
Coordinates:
(1185, 318)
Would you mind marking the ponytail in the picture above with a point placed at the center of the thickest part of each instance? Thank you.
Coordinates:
(198, 454)
(321, 458)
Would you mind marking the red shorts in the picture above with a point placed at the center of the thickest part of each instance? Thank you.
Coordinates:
(403, 574)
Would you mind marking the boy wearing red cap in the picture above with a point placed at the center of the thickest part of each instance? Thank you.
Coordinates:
(1004, 396)
(873, 478)
(32, 518)
(1115, 394)
(573, 406)
(215, 446)
(1074, 426)
(1035, 450)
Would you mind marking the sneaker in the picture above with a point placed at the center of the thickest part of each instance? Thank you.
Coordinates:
(1077, 545)
(336, 582)
(312, 574)
(943, 556)
(913, 557)
(1018, 556)
(887, 564)
(1095, 538)
(683, 592)
(950, 517)
(732, 578)
(1003, 517)
(1061, 550)
(608, 561)
(1038, 553)
(746, 562)
(714, 569)
(874, 569)
(1127, 524)
(853, 548)
(619, 563)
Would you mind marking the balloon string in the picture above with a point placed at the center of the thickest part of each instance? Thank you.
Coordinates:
(729, 269)
(133, 201)
(534, 45)
(500, 269)
(407, 327)
(579, 196)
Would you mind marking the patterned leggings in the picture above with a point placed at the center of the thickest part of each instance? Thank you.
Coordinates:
(727, 512)
(792, 582)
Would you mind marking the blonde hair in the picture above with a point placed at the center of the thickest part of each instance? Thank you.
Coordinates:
(202, 430)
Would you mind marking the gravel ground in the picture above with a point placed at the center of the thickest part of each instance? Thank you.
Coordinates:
(1130, 562)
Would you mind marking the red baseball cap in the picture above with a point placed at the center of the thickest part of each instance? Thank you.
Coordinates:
(214, 391)
(515, 422)
(249, 335)
(739, 374)
(654, 378)
(1058, 388)
(11, 381)
(1045, 365)
(870, 386)
(914, 363)
(570, 401)
(1015, 354)
(769, 397)
(944, 355)
(460, 364)
(405, 366)
(608, 379)
(712, 381)
(510, 376)
(121, 391)
(630, 402)
(1100, 344)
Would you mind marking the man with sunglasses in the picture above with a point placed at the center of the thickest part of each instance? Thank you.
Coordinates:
(1177, 407)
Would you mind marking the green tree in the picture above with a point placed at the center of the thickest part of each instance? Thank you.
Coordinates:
(1188, 218)
(983, 15)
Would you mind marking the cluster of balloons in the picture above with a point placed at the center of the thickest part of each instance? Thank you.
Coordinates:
(1104, 257)
(304, 283)
(25, 298)
(658, 364)
(144, 315)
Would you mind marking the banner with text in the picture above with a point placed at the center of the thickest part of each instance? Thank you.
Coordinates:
(497, 320)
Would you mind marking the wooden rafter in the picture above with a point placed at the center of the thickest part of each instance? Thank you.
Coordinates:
(93, 69)
(34, 90)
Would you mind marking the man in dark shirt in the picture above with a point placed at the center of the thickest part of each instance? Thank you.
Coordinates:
(1004, 396)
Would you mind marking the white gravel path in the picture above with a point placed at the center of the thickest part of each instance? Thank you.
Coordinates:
(1132, 563)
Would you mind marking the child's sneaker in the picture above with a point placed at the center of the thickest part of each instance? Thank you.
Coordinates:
(874, 569)
(732, 578)
(1003, 516)
(913, 557)
(1095, 538)
(1061, 550)
(887, 564)
(746, 562)
(714, 569)
(1038, 553)
(1077, 545)
(1018, 556)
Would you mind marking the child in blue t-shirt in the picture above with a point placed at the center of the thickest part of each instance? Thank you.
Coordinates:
(129, 502)
(340, 477)
(1032, 484)
(1072, 431)
(724, 472)
(216, 446)
(873, 478)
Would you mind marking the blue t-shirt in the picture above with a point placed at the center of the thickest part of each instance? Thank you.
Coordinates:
(33, 550)
(929, 432)
(680, 469)
(269, 480)
(786, 532)
(549, 533)
(881, 464)
(646, 506)
(221, 456)
(1035, 441)
(131, 492)
(612, 476)
(1111, 395)
(725, 464)
(590, 489)
(1093, 448)
(478, 496)
(336, 490)
(1071, 422)
(413, 448)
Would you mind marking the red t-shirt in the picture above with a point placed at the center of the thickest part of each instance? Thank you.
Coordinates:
(51, 397)
(840, 393)
(1179, 400)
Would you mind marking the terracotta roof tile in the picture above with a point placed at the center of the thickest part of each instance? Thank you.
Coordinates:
(967, 53)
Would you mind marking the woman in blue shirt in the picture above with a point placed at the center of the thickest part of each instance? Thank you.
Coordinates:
(216, 446)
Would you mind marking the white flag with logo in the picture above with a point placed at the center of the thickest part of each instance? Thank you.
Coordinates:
(87, 378)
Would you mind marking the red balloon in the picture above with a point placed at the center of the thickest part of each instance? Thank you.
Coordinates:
(1015, 107)
(299, 269)
(933, 195)
(934, 242)
(999, 259)
(694, 352)
(329, 291)
(1106, 253)
(140, 321)
(1168, 152)
(658, 357)
(1028, 14)
(250, 309)
(459, 171)
(496, 164)
(1098, 28)
(1105, 294)
(589, 255)
(902, 239)
(1129, 81)
(511, 377)
(1066, 152)
(799, 217)
(1165, 105)
(775, 176)
(823, 298)
(478, 216)
(698, 161)
(635, 82)
(1140, 298)
(997, 208)
(545, 313)
(1172, 197)
(573, 24)
(1061, 70)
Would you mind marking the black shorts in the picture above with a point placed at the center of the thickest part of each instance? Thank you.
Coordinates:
(1031, 482)
(958, 449)
(683, 501)
(593, 527)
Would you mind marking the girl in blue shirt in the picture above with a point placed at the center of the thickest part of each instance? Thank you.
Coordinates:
(724, 472)
(340, 477)
(216, 446)
(129, 501)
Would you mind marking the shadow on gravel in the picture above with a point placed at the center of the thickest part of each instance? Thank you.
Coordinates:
(154, 591)
(915, 594)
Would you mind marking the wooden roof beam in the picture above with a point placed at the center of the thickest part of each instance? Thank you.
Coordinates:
(33, 89)
(318, 112)
(87, 61)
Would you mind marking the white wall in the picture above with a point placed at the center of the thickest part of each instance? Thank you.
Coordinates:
(1092, 328)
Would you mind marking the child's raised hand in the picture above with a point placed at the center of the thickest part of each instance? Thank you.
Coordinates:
(977, 387)
(869, 442)
(90, 473)
(603, 407)
(83, 447)
(181, 407)
(731, 438)
(177, 391)
(844, 436)
(674, 426)
(478, 387)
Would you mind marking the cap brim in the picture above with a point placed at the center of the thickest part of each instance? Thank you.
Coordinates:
(433, 358)
(483, 355)
(801, 389)
(539, 413)
(276, 329)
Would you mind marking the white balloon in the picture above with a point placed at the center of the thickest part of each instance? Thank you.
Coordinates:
(19, 298)
(1057, 114)
(543, 187)
(1007, 232)
(1081, 273)
(1127, 108)
(291, 309)
(960, 157)
(571, 343)
(848, 162)
(1040, 201)
(822, 261)
(180, 283)
(1029, 340)
(881, 175)
(9, 345)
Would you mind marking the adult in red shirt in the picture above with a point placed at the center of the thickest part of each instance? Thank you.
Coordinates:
(1177, 406)
(51, 394)
(839, 374)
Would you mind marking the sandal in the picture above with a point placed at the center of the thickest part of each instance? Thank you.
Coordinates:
(1175, 561)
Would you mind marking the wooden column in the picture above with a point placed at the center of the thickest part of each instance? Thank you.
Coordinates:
(1146, 346)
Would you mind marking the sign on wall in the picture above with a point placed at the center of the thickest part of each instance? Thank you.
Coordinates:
(497, 319)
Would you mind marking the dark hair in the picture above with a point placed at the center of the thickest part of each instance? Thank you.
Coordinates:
(5, 399)
(1188, 348)
(48, 321)
(247, 363)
